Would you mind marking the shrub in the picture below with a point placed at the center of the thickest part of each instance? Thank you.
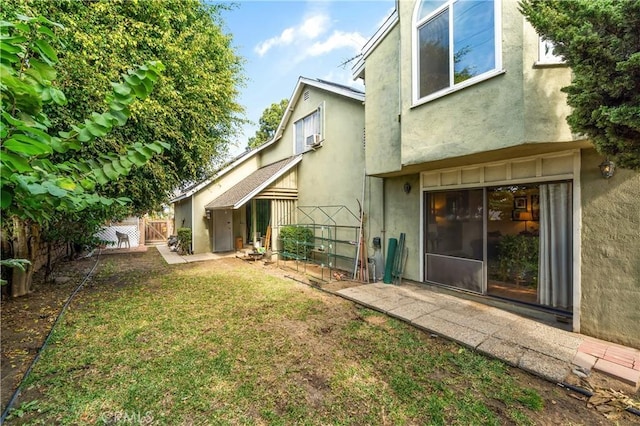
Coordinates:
(184, 241)
(297, 241)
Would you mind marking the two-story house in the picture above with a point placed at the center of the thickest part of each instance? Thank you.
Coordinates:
(310, 173)
(466, 124)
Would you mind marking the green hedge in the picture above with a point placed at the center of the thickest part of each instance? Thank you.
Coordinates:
(297, 241)
(184, 240)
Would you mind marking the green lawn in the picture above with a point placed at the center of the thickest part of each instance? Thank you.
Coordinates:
(225, 342)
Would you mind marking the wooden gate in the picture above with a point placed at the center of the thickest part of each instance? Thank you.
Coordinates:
(156, 231)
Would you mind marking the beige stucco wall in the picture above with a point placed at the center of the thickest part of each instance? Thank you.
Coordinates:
(333, 174)
(452, 126)
(182, 214)
(374, 208)
(202, 227)
(382, 106)
(610, 269)
(402, 215)
(545, 105)
(522, 105)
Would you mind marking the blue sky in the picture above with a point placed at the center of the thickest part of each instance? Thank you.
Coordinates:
(283, 40)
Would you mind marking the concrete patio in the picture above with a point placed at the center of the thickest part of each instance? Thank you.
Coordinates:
(544, 350)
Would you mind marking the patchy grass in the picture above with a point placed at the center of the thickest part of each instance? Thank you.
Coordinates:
(224, 342)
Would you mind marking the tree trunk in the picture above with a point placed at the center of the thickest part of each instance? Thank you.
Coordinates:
(48, 267)
(26, 239)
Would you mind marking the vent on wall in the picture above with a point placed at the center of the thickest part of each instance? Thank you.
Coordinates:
(305, 95)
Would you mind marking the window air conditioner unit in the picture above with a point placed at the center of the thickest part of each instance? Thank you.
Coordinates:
(313, 140)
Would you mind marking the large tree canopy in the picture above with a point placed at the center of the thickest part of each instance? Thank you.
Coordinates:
(600, 41)
(37, 190)
(269, 122)
(194, 108)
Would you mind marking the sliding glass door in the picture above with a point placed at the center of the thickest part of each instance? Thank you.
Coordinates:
(512, 242)
(454, 252)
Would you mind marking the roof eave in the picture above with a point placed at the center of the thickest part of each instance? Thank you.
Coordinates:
(259, 188)
(386, 27)
(217, 175)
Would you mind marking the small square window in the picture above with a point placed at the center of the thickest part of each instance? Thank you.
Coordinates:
(546, 55)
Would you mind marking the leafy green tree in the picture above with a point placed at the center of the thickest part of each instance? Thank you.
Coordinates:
(36, 186)
(195, 106)
(600, 41)
(269, 122)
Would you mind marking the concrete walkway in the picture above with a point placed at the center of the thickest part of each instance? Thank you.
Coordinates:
(554, 354)
(557, 355)
(172, 257)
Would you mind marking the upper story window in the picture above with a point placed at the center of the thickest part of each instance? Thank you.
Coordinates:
(546, 55)
(457, 43)
(308, 131)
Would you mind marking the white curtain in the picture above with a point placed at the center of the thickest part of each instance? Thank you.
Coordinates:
(555, 281)
(311, 125)
(299, 137)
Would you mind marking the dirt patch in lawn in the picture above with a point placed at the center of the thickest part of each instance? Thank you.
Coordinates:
(26, 322)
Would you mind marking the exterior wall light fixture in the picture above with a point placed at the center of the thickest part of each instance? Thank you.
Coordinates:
(407, 188)
(607, 168)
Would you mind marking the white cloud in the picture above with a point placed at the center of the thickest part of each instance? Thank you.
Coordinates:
(314, 26)
(309, 29)
(337, 40)
(286, 37)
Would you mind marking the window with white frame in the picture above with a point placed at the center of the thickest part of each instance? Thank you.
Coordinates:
(546, 54)
(456, 43)
(308, 131)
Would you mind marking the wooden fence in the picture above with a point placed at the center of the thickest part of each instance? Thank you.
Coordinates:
(157, 231)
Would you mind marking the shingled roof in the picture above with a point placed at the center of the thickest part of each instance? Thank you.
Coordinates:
(250, 186)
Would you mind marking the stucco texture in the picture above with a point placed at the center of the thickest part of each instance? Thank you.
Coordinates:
(610, 302)
(520, 104)
(382, 106)
(334, 173)
(402, 215)
(182, 214)
(202, 227)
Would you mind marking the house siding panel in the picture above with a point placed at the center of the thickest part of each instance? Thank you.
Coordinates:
(449, 178)
(495, 173)
(556, 165)
(524, 169)
(471, 175)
